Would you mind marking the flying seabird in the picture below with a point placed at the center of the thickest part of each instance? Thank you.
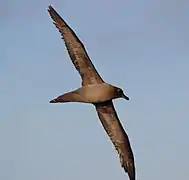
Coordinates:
(96, 91)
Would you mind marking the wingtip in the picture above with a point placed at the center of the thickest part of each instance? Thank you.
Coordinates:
(50, 8)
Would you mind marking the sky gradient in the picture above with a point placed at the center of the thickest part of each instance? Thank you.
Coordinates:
(141, 46)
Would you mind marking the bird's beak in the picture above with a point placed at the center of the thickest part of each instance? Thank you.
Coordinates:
(125, 97)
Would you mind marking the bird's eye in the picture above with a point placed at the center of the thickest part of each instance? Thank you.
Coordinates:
(119, 90)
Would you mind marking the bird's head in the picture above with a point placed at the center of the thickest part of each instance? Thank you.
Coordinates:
(120, 94)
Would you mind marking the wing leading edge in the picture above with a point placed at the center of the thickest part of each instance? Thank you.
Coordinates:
(76, 51)
(110, 121)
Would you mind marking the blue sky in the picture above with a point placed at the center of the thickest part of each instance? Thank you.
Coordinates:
(141, 46)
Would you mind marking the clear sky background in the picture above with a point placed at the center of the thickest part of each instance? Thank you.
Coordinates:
(141, 46)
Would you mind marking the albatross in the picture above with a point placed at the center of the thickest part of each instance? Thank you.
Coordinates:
(96, 91)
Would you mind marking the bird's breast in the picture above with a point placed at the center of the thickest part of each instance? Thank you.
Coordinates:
(98, 93)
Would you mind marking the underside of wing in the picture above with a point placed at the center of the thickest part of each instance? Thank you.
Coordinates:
(118, 136)
(76, 51)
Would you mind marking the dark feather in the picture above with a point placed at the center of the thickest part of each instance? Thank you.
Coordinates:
(116, 133)
(76, 51)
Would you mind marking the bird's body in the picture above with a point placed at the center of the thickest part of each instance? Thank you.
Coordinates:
(96, 91)
(92, 93)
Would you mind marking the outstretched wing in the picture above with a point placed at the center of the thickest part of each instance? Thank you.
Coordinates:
(119, 138)
(76, 51)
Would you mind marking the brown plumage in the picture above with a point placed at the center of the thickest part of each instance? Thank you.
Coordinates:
(92, 93)
(76, 51)
(110, 121)
(94, 90)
